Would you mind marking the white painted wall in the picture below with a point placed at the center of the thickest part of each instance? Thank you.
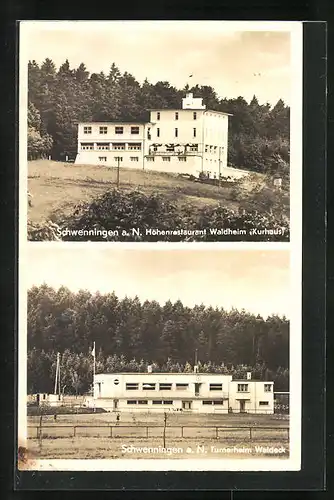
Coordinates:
(111, 387)
(166, 126)
(253, 396)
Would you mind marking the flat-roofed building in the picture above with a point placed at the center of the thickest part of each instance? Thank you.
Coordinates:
(106, 143)
(190, 140)
(189, 392)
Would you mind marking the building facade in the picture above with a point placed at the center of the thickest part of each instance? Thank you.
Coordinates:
(189, 140)
(186, 392)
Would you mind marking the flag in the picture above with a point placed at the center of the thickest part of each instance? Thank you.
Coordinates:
(93, 350)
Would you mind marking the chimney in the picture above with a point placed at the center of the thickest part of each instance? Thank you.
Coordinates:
(249, 375)
(149, 369)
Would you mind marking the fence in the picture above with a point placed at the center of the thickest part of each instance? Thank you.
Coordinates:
(150, 431)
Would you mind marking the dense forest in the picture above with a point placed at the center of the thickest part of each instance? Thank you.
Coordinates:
(59, 98)
(129, 334)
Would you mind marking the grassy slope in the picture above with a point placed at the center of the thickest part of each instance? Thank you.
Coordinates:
(57, 187)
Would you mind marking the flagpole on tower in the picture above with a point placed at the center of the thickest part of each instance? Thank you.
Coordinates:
(190, 76)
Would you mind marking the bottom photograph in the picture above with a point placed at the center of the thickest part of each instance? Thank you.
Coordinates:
(162, 359)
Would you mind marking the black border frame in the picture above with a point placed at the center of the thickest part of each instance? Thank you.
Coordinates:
(312, 475)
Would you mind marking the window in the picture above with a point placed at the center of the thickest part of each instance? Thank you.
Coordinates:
(142, 401)
(176, 132)
(264, 403)
(186, 405)
(103, 146)
(242, 387)
(165, 387)
(267, 387)
(103, 130)
(102, 158)
(148, 387)
(118, 130)
(135, 146)
(131, 402)
(195, 115)
(170, 148)
(149, 133)
(87, 130)
(181, 387)
(134, 130)
(176, 115)
(164, 402)
(118, 158)
(116, 381)
(166, 158)
(216, 387)
(131, 387)
(182, 158)
(134, 158)
(194, 132)
(44, 396)
(194, 147)
(118, 146)
(158, 132)
(217, 402)
(87, 145)
(158, 116)
(207, 402)
(150, 158)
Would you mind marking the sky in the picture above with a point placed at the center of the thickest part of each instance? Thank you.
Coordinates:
(235, 59)
(255, 280)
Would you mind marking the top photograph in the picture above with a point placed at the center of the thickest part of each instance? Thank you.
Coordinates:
(160, 131)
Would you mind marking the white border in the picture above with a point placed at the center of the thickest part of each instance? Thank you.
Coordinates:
(293, 463)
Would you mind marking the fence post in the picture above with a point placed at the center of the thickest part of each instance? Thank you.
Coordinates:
(147, 432)
(250, 433)
(182, 431)
(74, 430)
(111, 431)
(216, 432)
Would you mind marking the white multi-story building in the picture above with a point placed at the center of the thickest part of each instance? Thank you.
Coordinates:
(189, 140)
(190, 392)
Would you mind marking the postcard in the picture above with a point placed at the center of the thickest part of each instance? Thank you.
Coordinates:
(159, 359)
(153, 131)
(160, 246)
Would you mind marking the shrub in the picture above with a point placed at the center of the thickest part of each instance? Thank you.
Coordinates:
(43, 231)
(121, 214)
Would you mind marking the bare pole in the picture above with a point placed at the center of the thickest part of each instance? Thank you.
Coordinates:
(56, 379)
(118, 162)
(219, 167)
(94, 369)
(59, 376)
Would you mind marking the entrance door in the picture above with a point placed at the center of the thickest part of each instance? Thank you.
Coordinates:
(115, 404)
(242, 406)
(197, 387)
(186, 405)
